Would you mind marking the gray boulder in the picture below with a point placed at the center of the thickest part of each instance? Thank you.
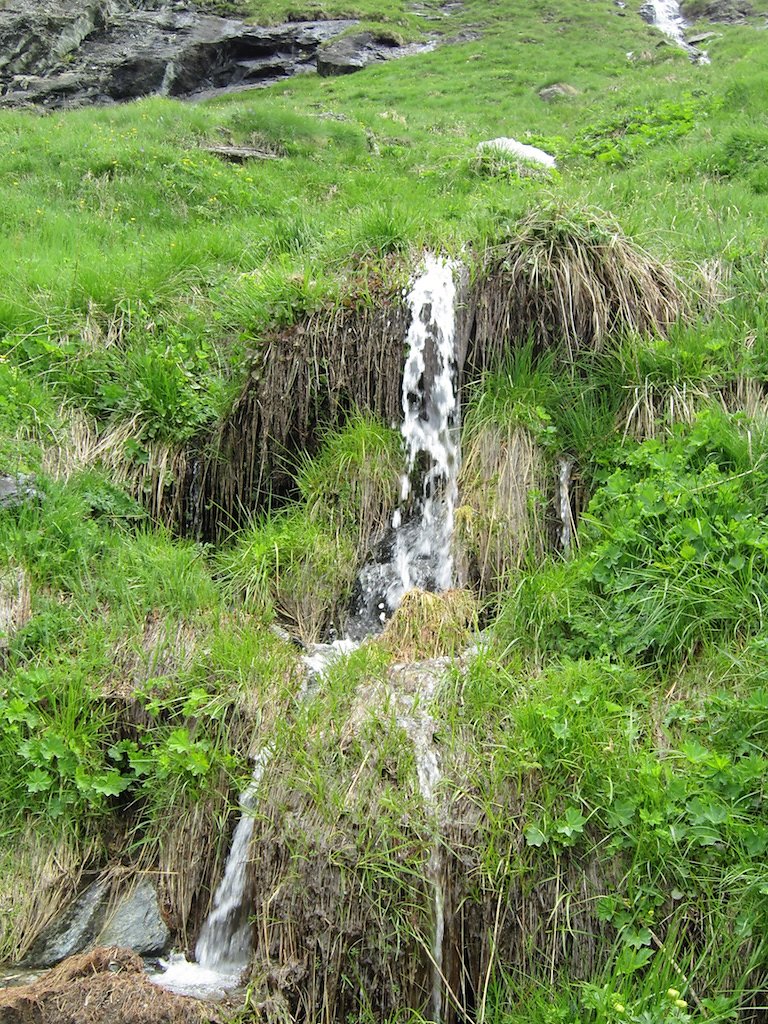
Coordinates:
(16, 490)
(558, 91)
(136, 922)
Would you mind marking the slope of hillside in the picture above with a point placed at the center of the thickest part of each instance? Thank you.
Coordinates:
(535, 797)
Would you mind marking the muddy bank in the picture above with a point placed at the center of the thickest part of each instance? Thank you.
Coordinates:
(106, 985)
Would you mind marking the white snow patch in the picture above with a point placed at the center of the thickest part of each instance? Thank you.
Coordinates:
(530, 154)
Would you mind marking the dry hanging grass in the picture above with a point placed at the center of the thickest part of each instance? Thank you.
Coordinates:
(499, 520)
(570, 277)
(654, 410)
(307, 376)
(15, 604)
(39, 875)
(163, 481)
(431, 625)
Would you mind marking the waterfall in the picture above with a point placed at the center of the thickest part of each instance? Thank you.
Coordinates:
(419, 556)
(418, 550)
(224, 945)
(566, 516)
(668, 18)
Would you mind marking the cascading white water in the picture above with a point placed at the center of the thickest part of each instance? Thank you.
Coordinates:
(566, 516)
(668, 18)
(430, 422)
(419, 553)
(224, 944)
(420, 557)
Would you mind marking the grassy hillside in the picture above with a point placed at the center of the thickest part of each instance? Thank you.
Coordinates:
(603, 817)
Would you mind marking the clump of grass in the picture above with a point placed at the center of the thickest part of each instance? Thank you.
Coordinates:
(353, 480)
(156, 473)
(292, 563)
(570, 276)
(673, 553)
(430, 625)
(501, 520)
(495, 162)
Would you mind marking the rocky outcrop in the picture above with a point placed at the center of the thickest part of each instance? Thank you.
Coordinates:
(134, 922)
(723, 11)
(111, 50)
(353, 52)
(557, 91)
(105, 51)
(16, 490)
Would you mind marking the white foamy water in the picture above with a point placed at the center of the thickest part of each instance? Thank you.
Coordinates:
(418, 550)
(566, 517)
(430, 431)
(668, 18)
(420, 727)
(320, 657)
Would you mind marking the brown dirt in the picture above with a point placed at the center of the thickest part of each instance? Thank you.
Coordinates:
(105, 986)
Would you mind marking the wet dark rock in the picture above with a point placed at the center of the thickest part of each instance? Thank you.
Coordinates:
(16, 490)
(354, 52)
(73, 930)
(112, 51)
(134, 922)
(647, 13)
(137, 923)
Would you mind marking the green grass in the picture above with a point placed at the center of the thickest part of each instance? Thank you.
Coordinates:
(607, 750)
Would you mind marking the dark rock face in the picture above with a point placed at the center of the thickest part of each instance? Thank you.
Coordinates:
(351, 53)
(723, 11)
(16, 490)
(109, 51)
(135, 923)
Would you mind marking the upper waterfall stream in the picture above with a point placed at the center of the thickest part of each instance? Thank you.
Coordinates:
(417, 552)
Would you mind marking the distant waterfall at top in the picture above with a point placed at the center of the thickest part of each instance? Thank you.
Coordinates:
(418, 551)
(668, 18)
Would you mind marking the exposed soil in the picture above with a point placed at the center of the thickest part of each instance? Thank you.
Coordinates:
(106, 986)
